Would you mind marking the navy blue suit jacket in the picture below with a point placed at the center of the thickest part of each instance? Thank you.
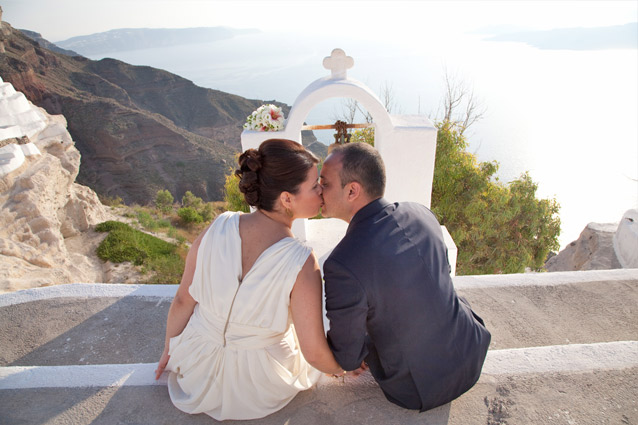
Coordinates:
(390, 302)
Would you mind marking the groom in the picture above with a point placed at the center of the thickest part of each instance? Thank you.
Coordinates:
(389, 294)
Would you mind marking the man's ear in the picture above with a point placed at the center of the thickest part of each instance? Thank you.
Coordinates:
(354, 191)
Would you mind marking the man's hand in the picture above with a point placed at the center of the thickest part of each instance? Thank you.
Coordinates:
(360, 370)
(352, 373)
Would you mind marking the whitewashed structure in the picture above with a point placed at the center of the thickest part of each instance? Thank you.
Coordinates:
(625, 240)
(18, 118)
(399, 138)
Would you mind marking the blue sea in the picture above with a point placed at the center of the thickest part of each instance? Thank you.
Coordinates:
(570, 118)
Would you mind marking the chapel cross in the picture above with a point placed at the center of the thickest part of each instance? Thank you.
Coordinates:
(338, 63)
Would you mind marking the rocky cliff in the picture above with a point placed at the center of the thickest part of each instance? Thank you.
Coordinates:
(37, 37)
(593, 250)
(601, 246)
(44, 215)
(138, 129)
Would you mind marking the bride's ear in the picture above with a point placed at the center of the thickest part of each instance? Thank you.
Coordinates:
(285, 198)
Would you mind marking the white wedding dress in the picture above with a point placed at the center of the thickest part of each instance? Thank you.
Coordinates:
(238, 357)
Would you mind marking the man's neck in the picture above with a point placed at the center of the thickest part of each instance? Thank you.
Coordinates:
(358, 205)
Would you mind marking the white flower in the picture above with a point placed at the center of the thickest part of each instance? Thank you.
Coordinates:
(265, 118)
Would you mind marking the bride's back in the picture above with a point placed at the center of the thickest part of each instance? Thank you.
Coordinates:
(257, 233)
(238, 337)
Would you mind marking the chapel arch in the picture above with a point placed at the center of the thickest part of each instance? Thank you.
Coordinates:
(407, 143)
(319, 92)
(325, 130)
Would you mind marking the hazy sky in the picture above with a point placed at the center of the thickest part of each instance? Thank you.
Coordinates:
(57, 20)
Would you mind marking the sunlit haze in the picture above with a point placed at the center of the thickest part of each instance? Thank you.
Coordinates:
(390, 20)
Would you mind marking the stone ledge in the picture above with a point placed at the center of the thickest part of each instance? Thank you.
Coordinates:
(88, 290)
(541, 399)
(460, 282)
(544, 279)
(518, 361)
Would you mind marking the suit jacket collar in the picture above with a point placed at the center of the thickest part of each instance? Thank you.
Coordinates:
(365, 212)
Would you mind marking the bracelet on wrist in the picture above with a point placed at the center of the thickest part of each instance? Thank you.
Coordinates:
(339, 374)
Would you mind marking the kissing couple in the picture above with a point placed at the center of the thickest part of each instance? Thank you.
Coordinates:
(245, 331)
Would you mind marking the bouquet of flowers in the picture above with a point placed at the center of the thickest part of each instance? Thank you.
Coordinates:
(265, 118)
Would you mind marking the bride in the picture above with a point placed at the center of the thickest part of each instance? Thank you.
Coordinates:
(244, 332)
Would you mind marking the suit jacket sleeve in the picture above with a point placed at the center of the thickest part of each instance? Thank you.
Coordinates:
(347, 310)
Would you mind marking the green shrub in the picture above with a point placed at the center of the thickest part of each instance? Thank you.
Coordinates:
(191, 201)
(124, 243)
(189, 215)
(364, 135)
(146, 220)
(164, 201)
(207, 212)
(107, 226)
(234, 198)
(111, 201)
(164, 270)
(497, 228)
(164, 223)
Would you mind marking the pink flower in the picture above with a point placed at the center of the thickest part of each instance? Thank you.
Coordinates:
(274, 114)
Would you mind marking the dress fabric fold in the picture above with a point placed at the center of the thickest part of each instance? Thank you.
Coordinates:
(238, 357)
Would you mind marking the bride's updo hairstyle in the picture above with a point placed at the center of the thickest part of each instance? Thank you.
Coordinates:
(278, 165)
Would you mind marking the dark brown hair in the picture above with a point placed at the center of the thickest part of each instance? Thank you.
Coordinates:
(279, 165)
(362, 163)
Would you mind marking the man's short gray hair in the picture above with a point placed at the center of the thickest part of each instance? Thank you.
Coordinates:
(363, 164)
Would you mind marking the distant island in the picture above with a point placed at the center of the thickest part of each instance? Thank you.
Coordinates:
(599, 38)
(125, 39)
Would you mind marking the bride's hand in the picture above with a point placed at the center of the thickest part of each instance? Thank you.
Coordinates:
(162, 364)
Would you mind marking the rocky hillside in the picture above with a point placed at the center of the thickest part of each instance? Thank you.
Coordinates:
(138, 129)
(35, 36)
